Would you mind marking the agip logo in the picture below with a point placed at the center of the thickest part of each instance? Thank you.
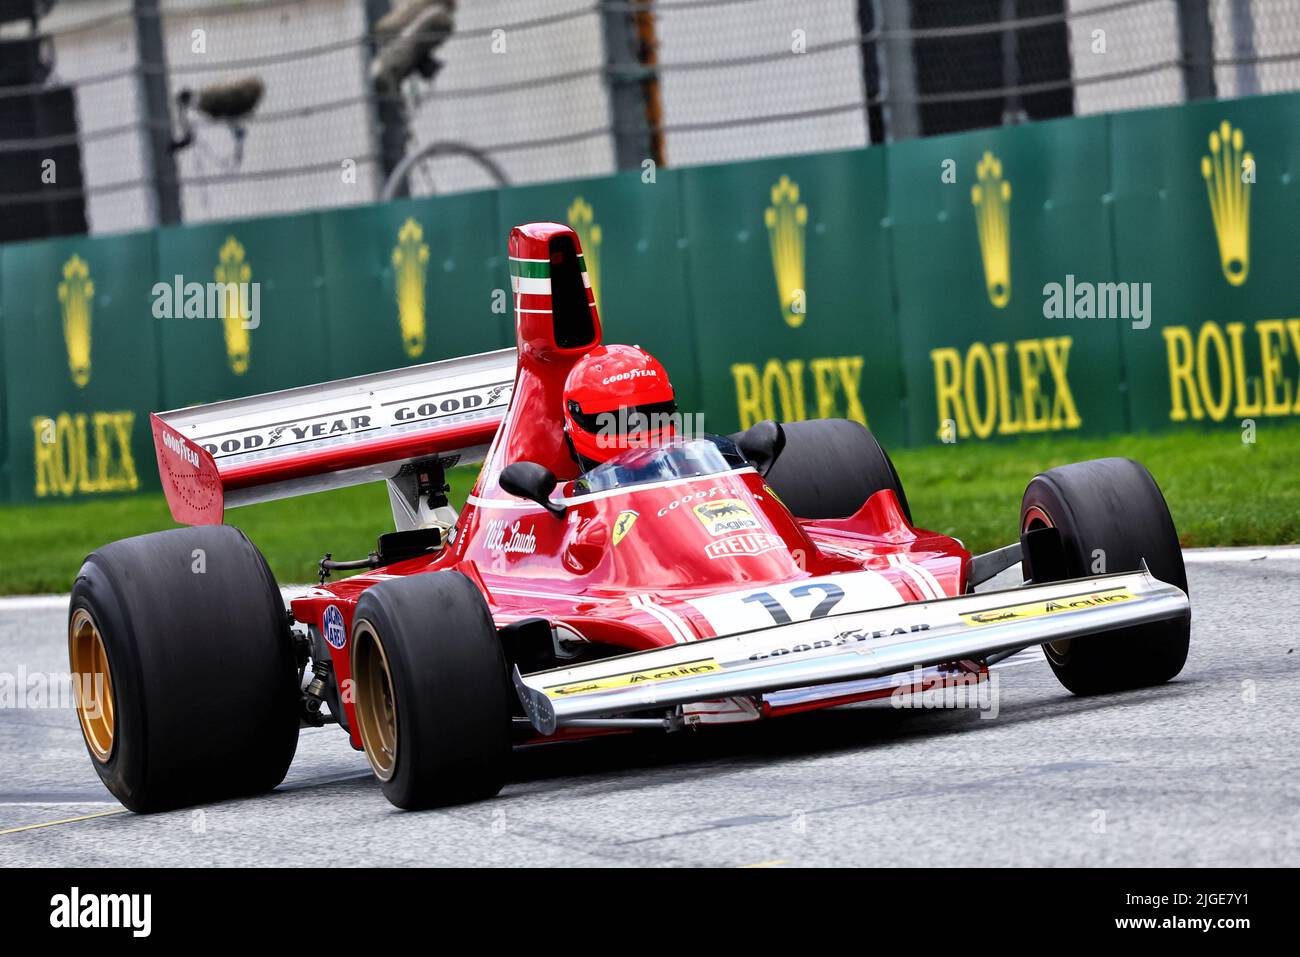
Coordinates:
(76, 299)
(721, 516)
(991, 196)
(233, 273)
(1228, 172)
(410, 263)
(787, 222)
(582, 219)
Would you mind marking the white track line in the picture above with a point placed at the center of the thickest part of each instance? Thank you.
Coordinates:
(1212, 556)
(56, 602)
(1192, 556)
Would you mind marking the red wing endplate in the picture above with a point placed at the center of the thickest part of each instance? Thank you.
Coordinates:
(331, 435)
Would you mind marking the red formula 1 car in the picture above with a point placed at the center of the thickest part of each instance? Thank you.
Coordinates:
(694, 581)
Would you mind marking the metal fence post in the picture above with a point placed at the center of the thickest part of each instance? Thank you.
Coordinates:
(156, 97)
(1196, 43)
(1243, 48)
(902, 112)
(633, 84)
(387, 110)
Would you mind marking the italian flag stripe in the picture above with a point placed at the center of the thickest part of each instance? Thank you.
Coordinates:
(530, 268)
(531, 287)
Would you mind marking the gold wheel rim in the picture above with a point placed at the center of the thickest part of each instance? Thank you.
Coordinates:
(376, 705)
(1036, 517)
(92, 685)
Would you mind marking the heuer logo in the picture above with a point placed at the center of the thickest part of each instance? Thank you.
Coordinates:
(991, 198)
(787, 220)
(723, 516)
(410, 261)
(1229, 172)
(509, 539)
(747, 543)
(76, 298)
(589, 238)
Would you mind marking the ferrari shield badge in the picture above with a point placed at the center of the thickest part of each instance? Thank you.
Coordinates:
(623, 524)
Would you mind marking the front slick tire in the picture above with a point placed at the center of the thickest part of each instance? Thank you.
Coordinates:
(432, 690)
(1110, 510)
(192, 694)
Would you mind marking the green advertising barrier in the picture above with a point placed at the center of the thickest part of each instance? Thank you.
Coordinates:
(263, 331)
(1080, 276)
(5, 475)
(630, 234)
(80, 367)
(1207, 210)
(790, 291)
(981, 223)
(414, 281)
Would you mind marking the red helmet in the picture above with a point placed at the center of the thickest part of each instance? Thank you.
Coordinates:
(615, 398)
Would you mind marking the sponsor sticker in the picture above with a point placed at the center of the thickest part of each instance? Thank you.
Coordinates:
(687, 669)
(722, 516)
(746, 543)
(331, 624)
(510, 538)
(852, 640)
(623, 524)
(1036, 609)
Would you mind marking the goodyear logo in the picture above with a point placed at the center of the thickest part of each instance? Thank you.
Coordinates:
(722, 516)
(687, 669)
(1036, 609)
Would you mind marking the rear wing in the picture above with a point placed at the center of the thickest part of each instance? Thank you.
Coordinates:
(317, 437)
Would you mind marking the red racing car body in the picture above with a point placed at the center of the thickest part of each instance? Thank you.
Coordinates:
(706, 580)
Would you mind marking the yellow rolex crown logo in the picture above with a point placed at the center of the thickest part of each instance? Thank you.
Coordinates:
(232, 272)
(76, 298)
(410, 262)
(787, 221)
(991, 197)
(581, 218)
(1228, 173)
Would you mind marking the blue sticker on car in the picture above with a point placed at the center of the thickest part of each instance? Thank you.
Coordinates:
(336, 636)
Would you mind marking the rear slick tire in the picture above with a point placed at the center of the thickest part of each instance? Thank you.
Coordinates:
(185, 678)
(828, 468)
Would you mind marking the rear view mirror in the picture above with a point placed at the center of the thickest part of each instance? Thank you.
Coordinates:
(533, 482)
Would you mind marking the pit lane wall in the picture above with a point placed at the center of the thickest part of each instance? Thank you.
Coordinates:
(940, 290)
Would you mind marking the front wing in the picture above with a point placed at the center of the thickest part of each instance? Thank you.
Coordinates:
(855, 645)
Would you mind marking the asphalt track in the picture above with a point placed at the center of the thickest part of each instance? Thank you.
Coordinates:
(1201, 771)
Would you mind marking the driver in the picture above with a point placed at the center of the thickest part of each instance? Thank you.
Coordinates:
(616, 398)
